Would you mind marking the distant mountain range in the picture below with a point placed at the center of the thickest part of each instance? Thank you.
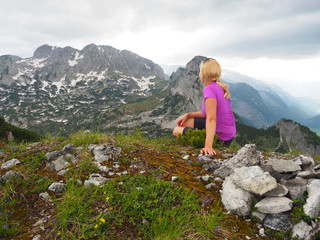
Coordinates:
(60, 90)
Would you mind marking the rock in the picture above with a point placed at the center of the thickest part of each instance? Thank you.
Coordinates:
(91, 147)
(52, 155)
(174, 178)
(247, 156)
(37, 237)
(302, 230)
(186, 157)
(259, 215)
(312, 206)
(63, 172)
(206, 178)
(261, 232)
(271, 171)
(95, 179)
(87, 132)
(307, 163)
(253, 179)
(235, 199)
(282, 165)
(204, 158)
(78, 150)
(210, 166)
(209, 186)
(273, 205)
(10, 175)
(280, 191)
(57, 187)
(116, 166)
(278, 222)
(45, 195)
(296, 187)
(309, 174)
(101, 167)
(70, 157)
(104, 153)
(9, 136)
(58, 164)
(11, 163)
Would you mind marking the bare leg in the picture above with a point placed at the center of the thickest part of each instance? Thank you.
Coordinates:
(179, 130)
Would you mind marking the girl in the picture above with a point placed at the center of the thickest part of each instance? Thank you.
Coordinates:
(216, 115)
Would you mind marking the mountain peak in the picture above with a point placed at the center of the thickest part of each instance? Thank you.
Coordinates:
(192, 67)
(43, 51)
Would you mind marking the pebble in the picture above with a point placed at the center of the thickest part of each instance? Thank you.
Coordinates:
(210, 185)
(261, 232)
(174, 178)
(186, 157)
(206, 178)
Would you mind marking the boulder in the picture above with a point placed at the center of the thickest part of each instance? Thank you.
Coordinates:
(259, 215)
(280, 191)
(301, 230)
(272, 172)
(282, 165)
(312, 206)
(235, 199)
(306, 162)
(253, 179)
(278, 222)
(273, 205)
(296, 187)
(11, 163)
(247, 156)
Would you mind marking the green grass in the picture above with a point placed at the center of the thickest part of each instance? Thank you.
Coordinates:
(147, 207)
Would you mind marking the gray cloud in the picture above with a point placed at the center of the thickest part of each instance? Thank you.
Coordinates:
(233, 28)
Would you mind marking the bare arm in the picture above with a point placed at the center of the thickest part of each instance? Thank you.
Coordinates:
(183, 118)
(211, 111)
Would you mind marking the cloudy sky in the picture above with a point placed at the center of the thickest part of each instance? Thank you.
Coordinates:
(272, 40)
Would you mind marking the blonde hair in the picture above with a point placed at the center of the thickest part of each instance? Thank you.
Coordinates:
(210, 70)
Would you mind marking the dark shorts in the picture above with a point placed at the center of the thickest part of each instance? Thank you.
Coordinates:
(200, 123)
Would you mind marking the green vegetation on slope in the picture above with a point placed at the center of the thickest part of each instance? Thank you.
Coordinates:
(19, 134)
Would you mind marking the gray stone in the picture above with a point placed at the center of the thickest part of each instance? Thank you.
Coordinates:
(87, 132)
(282, 165)
(91, 147)
(210, 185)
(247, 156)
(58, 164)
(174, 178)
(95, 179)
(104, 153)
(301, 230)
(273, 205)
(101, 167)
(296, 187)
(78, 150)
(309, 174)
(52, 155)
(9, 136)
(261, 232)
(10, 175)
(271, 171)
(210, 166)
(11, 163)
(186, 157)
(45, 195)
(259, 215)
(57, 187)
(37, 237)
(253, 179)
(235, 199)
(278, 222)
(70, 157)
(206, 178)
(307, 163)
(312, 206)
(67, 148)
(63, 172)
(280, 191)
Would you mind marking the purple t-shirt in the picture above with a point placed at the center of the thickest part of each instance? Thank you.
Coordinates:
(226, 128)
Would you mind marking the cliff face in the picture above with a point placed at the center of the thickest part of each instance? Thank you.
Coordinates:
(297, 137)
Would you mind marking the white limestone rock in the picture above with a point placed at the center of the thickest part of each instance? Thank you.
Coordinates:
(95, 179)
(282, 165)
(58, 164)
(254, 179)
(312, 206)
(280, 191)
(11, 163)
(273, 205)
(235, 199)
(57, 187)
(301, 230)
(247, 156)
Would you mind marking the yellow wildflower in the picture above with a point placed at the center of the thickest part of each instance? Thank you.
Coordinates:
(107, 199)
(102, 220)
(96, 226)
(105, 192)
(110, 208)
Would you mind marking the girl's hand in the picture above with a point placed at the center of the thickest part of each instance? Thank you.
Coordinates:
(182, 120)
(208, 150)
